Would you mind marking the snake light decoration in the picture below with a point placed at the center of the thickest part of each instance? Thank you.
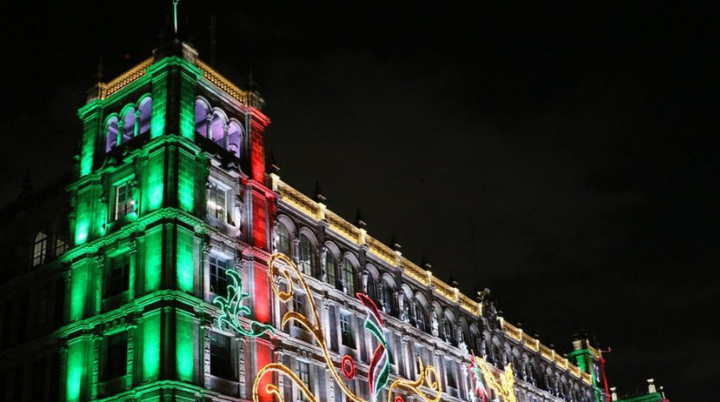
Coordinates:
(231, 309)
(379, 368)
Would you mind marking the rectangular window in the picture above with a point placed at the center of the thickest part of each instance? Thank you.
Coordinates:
(118, 272)
(217, 202)
(220, 356)
(218, 278)
(298, 306)
(115, 364)
(346, 330)
(124, 203)
(303, 372)
(450, 373)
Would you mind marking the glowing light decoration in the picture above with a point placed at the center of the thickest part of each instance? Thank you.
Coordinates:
(379, 369)
(348, 367)
(477, 377)
(231, 309)
(378, 373)
(505, 386)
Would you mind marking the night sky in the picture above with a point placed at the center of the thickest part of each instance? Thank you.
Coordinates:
(563, 155)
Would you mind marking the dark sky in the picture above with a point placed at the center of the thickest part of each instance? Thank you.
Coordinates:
(562, 154)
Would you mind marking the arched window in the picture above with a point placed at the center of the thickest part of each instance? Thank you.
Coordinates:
(371, 288)
(112, 134)
(348, 278)
(128, 126)
(284, 241)
(145, 109)
(218, 129)
(61, 236)
(420, 317)
(201, 118)
(447, 330)
(39, 249)
(388, 298)
(234, 138)
(306, 256)
(331, 269)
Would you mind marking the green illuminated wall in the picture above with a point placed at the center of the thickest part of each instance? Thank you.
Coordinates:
(185, 352)
(159, 108)
(153, 259)
(151, 346)
(91, 126)
(77, 368)
(79, 291)
(185, 260)
(155, 182)
(186, 181)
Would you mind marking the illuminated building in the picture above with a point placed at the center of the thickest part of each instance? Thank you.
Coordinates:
(125, 293)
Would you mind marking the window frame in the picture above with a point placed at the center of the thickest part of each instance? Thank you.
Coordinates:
(126, 207)
(221, 356)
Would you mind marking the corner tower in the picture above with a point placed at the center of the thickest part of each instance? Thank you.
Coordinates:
(169, 193)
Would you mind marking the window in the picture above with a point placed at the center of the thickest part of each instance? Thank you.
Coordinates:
(61, 234)
(420, 322)
(145, 115)
(330, 267)
(388, 298)
(112, 134)
(115, 364)
(298, 306)
(450, 373)
(39, 249)
(283, 245)
(201, 118)
(348, 277)
(306, 257)
(234, 138)
(220, 356)
(346, 329)
(371, 289)
(303, 372)
(118, 275)
(124, 204)
(128, 126)
(218, 278)
(217, 202)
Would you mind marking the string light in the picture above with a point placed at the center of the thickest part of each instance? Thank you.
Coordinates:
(505, 386)
(379, 369)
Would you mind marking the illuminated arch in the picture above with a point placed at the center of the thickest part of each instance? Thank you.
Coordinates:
(111, 132)
(145, 114)
(202, 110)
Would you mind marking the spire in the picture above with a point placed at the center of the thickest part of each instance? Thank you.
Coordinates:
(393, 242)
(319, 197)
(270, 165)
(175, 15)
(358, 219)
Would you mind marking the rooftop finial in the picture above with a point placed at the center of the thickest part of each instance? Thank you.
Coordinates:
(175, 4)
